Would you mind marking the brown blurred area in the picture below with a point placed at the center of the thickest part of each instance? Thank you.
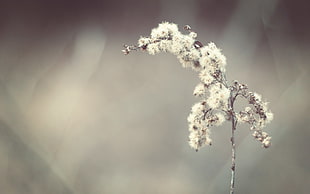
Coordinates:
(77, 116)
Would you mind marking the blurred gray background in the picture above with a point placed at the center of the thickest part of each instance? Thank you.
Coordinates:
(77, 116)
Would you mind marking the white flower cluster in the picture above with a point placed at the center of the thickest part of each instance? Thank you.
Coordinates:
(200, 120)
(257, 116)
(218, 98)
(190, 52)
(219, 95)
(210, 63)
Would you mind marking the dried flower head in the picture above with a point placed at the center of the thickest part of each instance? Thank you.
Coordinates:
(217, 96)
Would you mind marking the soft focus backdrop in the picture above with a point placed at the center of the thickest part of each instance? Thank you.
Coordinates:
(77, 116)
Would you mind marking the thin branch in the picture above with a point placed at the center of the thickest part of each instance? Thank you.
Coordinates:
(233, 145)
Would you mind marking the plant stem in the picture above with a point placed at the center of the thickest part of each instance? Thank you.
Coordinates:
(233, 146)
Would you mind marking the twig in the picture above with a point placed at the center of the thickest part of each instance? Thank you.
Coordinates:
(233, 145)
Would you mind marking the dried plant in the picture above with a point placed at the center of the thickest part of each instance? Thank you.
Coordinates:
(217, 96)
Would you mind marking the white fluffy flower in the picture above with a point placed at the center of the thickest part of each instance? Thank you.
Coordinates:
(153, 48)
(177, 46)
(220, 119)
(165, 45)
(186, 41)
(199, 133)
(188, 59)
(257, 97)
(206, 77)
(164, 30)
(267, 142)
(198, 107)
(205, 61)
(212, 58)
(196, 113)
(269, 117)
(263, 137)
(193, 34)
(218, 98)
(199, 138)
(144, 41)
(200, 90)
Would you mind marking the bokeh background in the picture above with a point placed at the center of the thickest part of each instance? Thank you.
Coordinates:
(77, 116)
